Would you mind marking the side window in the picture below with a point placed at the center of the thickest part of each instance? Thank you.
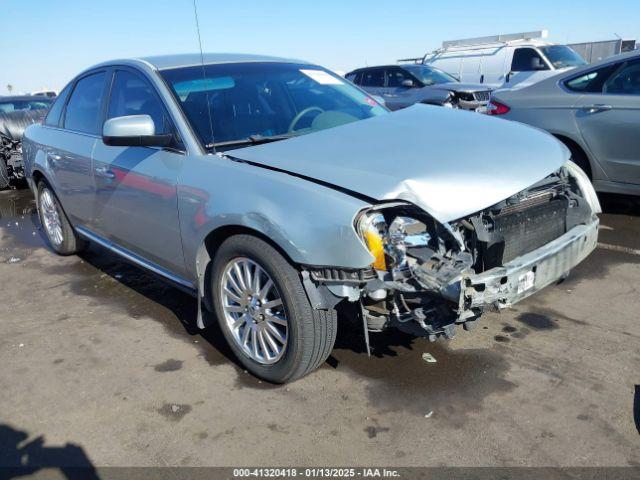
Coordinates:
(53, 117)
(626, 81)
(590, 82)
(84, 107)
(373, 78)
(395, 77)
(527, 60)
(351, 77)
(132, 95)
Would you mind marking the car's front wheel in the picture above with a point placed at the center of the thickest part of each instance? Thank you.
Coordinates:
(264, 312)
(62, 238)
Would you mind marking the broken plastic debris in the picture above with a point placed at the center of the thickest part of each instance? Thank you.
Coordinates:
(427, 357)
(175, 408)
(21, 345)
(14, 260)
(428, 415)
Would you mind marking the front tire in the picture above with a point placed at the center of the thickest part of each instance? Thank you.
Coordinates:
(57, 228)
(264, 312)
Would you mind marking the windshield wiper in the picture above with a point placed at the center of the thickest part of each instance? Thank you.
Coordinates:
(250, 140)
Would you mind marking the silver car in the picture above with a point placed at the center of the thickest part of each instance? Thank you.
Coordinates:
(594, 111)
(277, 193)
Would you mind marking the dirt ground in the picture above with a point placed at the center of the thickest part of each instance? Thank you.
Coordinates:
(101, 365)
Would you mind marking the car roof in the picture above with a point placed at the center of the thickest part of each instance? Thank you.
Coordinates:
(162, 62)
(23, 98)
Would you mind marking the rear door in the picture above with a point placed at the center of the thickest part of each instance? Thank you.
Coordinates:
(69, 158)
(136, 187)
(372, 81)
(609, 121)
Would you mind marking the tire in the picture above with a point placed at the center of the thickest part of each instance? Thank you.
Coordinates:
(4, 175)
(309, 334)
(65, 241)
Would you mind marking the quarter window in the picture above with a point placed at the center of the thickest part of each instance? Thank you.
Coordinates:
(527, 60)
(83, 109)
(53, 117)
(590, 82)
(131, 95)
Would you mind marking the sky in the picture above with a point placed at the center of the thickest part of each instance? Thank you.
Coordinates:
(44, 43)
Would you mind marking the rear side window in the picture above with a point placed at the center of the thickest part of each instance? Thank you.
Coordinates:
(591, 82)
(132, 95)
(626, 81)
(83, 109)
(53, 117)
(373, 78)
(527, 60)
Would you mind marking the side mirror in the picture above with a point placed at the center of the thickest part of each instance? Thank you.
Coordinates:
(408, 83)
(133, 131)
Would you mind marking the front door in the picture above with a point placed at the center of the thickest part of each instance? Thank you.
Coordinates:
(609, 122)
(136, 187)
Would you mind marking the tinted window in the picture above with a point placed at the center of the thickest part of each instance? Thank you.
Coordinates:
(527, 60)
(590, 82)
(242, 100)
(13, 105)
(132, 95)
(626, 81)
(53, 117)
(562, 56)
(395, 77)
(373, 78)
(83, 109)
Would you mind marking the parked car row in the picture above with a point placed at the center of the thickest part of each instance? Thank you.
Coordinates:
(279, 193)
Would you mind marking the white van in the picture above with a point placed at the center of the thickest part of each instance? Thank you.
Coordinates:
(504, 61)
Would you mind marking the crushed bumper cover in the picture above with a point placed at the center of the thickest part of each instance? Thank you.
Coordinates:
(503, 286)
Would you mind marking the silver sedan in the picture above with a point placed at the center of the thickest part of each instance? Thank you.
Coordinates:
(594, 111)
(277, 193)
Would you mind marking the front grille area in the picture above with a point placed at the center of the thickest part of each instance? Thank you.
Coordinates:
(532, 228)
(481, 96)
(520, 228)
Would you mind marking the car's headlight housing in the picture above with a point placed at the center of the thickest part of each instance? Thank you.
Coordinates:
(585, 186)
(388, 236)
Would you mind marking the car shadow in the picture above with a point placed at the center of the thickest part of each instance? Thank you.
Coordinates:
(21, 457)
(617, 204)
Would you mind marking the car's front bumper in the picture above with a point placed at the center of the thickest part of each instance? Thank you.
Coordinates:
(503, 286)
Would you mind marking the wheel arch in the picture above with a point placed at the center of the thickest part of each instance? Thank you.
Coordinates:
(206, 252)
(577, 152)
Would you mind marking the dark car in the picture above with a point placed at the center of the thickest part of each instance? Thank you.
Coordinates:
(401, 86)
(16, 114)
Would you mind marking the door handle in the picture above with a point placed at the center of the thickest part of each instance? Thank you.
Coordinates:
(597, 108)
(104, 172)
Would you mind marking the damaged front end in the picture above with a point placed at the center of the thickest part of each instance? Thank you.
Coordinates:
(428, 277)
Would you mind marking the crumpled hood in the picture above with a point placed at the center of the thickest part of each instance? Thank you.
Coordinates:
(451, 163)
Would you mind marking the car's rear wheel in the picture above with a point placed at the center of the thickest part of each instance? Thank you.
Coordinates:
(264, 312)
(61, 235)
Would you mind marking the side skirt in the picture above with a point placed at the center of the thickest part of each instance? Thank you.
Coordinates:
(179, 282)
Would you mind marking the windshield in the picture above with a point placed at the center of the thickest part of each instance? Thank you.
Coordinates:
(241, 101)
(13, 105)
(562, 56)
(430, 75)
